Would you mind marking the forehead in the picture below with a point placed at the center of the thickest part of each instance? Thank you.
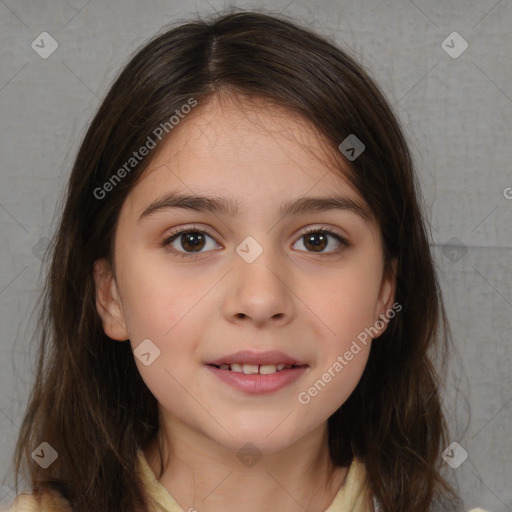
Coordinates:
(231, 117)
(246, 148)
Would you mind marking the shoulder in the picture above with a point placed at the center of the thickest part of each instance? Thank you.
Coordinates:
(25, 502)
(48, 502)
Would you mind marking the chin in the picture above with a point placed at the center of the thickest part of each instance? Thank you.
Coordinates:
(257, 445)
(263, 438)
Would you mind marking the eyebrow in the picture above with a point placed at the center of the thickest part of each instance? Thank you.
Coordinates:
(231, 207)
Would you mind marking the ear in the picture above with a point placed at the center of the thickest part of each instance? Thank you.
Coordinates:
(108, 303)
(386, 297)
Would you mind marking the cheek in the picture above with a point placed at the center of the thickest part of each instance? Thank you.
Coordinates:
(157, 298)
(162, 316)
(345, 301)
(163, 305)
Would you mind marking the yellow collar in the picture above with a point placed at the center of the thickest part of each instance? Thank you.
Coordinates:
(353, 494)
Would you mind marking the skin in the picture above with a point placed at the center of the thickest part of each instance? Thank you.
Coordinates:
(310, 305)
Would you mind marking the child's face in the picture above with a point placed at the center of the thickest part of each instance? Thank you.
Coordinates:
(310, 305)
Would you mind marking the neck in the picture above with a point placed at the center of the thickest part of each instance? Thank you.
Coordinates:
(200, 474)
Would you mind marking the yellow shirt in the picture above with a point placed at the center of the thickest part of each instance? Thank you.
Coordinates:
(353, 495)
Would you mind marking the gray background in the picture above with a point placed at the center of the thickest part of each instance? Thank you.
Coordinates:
(456, 113)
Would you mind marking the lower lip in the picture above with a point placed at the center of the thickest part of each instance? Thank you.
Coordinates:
(256, 384)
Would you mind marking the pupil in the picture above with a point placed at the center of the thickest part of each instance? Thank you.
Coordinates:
(193, 240)
(319, 245)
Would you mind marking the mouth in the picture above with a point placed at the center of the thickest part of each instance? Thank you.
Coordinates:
(250, 359)
(256, 373)
(253, 369)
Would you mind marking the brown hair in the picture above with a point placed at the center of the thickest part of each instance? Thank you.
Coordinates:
(89, 401)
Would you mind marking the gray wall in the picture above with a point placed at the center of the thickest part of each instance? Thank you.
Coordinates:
(457, 114)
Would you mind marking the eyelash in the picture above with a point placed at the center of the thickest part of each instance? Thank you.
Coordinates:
(168, 241)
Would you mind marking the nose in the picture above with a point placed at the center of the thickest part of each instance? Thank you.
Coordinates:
(260, 292)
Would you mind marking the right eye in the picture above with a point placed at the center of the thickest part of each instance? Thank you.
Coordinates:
(190, 239)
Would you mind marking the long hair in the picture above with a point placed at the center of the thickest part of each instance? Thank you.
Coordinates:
(89, 401)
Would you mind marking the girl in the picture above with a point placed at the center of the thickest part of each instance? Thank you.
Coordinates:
(242, 302)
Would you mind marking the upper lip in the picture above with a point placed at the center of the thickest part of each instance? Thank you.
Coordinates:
(259, 358)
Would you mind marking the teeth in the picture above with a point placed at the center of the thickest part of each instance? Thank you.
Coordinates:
(252, 369)
(265, 369)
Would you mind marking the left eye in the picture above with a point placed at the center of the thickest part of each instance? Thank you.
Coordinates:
(318, 239)
(194, 240)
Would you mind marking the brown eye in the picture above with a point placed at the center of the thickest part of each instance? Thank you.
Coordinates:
(188, 242)
(317, 240)
(192, 241)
